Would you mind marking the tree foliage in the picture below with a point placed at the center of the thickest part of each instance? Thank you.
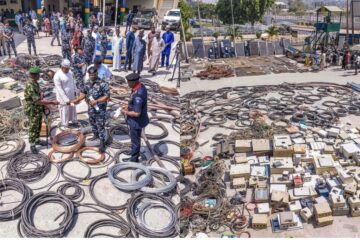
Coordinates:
(186, 13)
(207, 10)
(245, 11)
(297, 6)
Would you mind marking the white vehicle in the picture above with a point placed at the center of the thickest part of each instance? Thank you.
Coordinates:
(172, 19)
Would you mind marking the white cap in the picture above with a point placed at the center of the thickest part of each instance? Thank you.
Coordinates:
(65, 63)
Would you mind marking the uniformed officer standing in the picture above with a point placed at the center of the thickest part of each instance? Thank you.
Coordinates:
(96, 93)
(136, 113)
(9, 39)
(65, 41)
(29, 31)
(103, 43)
(34, 107)
(88, 44)
(55, 27)
(78, 67)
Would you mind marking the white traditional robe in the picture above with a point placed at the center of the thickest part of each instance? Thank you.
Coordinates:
(97, 38)
(65, 89)
(117, 49)
(157, 46)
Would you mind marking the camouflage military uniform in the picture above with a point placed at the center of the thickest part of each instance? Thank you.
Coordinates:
(10, 42)
(88, 44)
(78, 71)
(97, 119)
(29, 31)
(103, 45)
(65, 47)
(55, 31)
(33, 111)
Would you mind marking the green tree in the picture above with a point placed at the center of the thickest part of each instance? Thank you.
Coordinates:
(186, 13)
(244, 10)
(207, 10)
(272, 31)
(297, 6)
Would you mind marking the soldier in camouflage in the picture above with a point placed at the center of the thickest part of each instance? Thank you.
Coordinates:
(96, 93)
(88, 44)
(65, 40)
(9, 39)
(2, 39)
(55, 25)
(78, 65)
(29, 31)
(34, 107)
(103, 43)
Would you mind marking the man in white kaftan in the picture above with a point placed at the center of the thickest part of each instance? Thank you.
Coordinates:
(65, 90)
(117, 49)
(96, 35)
(157, 46)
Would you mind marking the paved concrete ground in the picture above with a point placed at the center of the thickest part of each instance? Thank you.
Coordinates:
(105, 191)
(333, 74)
(343, 226)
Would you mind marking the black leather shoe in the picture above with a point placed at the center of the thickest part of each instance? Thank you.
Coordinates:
(42, 143)
(102, 147)
(34, 150)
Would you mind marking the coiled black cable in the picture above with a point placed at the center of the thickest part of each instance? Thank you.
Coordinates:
(124, 229)
(140, 204)
(78, 194)
(27, 226)
(19, 186)
(8, 150)
(162, 135)
(18, 167)
(101, 204)
(164, 142)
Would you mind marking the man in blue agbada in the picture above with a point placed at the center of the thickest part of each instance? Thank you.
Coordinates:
(168, 38)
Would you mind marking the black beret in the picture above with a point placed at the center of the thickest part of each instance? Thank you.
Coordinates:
(132, 77)
(98, 60)
(92, 70)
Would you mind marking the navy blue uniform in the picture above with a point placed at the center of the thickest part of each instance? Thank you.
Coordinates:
(137, 103)
(97, 119)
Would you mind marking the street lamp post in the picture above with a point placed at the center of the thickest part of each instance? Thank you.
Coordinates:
(201, 30)
(116, 11)
(103, 13)
(233, 23)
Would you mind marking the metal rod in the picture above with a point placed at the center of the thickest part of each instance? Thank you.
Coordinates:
(184, 39)
(347, 20)
(233, 24)
(116, 11)
(201, 30)
(103, 13)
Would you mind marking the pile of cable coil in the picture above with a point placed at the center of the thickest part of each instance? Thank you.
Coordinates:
(137, 209)
(145, 183)
(27, 226)
(28, 167)
(11, 184)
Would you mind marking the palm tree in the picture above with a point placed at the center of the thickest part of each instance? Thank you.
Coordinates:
(233, 34)
(272, 31)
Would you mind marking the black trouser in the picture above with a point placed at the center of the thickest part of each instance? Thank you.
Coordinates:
(128, 59)
(135, 136)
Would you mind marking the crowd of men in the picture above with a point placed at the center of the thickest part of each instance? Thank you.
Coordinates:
(83, 74)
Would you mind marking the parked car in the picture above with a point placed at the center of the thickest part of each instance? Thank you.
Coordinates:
(172, 19)
(146, 19)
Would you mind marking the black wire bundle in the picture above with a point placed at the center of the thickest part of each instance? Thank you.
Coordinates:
(136, 211)
(29, 167)
(27, 226)
(5, 154)
(78, 194)
(162, 135)
(124, 230)
(165, 142)
(19, 186)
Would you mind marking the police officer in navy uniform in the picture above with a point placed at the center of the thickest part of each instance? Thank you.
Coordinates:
(136, 113)
(96, 92)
